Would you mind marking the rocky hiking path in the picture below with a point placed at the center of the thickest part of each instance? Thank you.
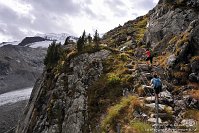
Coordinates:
(170, 105)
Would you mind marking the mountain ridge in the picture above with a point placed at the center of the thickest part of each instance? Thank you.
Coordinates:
(103, 88)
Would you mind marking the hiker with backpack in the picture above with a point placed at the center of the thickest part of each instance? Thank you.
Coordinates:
(149, 56)
(156, 84)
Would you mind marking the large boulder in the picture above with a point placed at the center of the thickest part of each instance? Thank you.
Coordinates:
(194, 77)
(171, 60)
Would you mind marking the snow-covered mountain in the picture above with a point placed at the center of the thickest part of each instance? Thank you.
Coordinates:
(22, 61)
(46, 40)
(53, 36)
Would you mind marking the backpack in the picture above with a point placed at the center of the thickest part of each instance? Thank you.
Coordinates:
(157, 83)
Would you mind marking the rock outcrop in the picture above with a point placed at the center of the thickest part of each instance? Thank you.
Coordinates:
(61, 106)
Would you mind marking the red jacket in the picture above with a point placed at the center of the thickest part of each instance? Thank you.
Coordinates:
(148, 54)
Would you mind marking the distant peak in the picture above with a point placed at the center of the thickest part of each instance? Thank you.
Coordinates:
(54, 36)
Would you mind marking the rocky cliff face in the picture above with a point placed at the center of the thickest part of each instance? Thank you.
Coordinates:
(59, 102)
(101, 90)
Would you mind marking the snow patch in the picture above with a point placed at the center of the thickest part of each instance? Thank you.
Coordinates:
(42, 44)
(15, 96)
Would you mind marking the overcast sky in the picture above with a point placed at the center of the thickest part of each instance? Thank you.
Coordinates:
(20, 18)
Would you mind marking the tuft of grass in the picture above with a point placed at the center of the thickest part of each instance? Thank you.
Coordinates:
(194, 94)
(183, 40)
(195, 58)
(162, 60)
(141, 127)
(192, 114)
(173, 40)
(124, 57)
(117, 111)
(168, 110)
(180, 74)
(114, 79)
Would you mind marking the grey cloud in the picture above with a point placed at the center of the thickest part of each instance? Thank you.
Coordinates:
(45, 21)
(88, 1)
(143, 4)
(134, 14)
(56, 6)
(115, 6)
(11, 21)
(90, 13)
(7, 14)
(120, 13)
(2, 31)
(48, 12)
(114, 3)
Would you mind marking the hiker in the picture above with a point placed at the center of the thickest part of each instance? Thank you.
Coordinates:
(156, 84)
(149, 56)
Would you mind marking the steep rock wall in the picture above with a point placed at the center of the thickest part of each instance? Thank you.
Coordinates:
(166, 21)
(59, 102)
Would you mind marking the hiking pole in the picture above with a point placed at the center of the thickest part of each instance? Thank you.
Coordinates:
(118, 128)
(157, 122)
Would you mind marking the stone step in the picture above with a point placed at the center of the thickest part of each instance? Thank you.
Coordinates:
(161, 100)
(147, 75)
(130, 71)
(143, 67)
(150, 99)
(130, 66)
(153, 120)
(141, 98)
(161, 107)
(162, 115)
(147, 87)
